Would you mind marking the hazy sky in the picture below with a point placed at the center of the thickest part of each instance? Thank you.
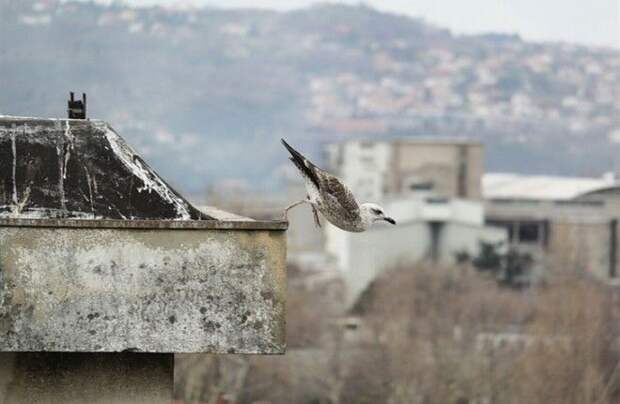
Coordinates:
(592, 22)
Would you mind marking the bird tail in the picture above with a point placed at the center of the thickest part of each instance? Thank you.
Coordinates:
(303, 164)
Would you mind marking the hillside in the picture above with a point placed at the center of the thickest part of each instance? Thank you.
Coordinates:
(205, 94)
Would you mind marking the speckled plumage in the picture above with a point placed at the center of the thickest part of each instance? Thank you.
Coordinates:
(331, 197)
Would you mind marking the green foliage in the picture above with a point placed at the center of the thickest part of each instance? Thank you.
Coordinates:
(510, 268)
(489, 258)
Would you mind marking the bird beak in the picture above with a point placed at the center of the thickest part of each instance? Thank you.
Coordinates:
(390, 220)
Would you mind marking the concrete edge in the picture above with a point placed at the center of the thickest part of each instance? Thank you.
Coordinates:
(279, 225)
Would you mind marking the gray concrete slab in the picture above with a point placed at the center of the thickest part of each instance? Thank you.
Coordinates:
(82, 288)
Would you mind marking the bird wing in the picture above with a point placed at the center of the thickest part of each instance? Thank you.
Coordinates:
(305, 166)
(336, 193)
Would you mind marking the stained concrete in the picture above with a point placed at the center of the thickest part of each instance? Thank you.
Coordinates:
(105, 271)
(78, 378)
(95, 289)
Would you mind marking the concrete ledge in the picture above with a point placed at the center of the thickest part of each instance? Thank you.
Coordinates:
(147, 224)
(147, 286)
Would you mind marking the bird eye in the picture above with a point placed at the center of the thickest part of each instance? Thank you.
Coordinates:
(376, 211)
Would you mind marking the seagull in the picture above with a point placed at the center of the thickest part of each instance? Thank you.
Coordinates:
(333, 199)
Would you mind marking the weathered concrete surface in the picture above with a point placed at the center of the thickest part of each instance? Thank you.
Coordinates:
(247, 224)
(75, 168)
(78, 378)
(90, 289)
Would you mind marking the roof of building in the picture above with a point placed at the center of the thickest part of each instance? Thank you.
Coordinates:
(422, 140)
(542, 187)
(438, 140)
(77, 168)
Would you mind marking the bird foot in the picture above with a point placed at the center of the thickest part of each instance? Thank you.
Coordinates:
(289, 207)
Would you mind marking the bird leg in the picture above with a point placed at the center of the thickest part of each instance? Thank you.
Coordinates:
(317, 222)
(291, 206)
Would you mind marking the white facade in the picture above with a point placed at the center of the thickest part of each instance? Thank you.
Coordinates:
(428, 207)
(360, 257)
(366, 167)
(428, 228)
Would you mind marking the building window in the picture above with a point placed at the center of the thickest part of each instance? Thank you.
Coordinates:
(437, 200)
(529, 232)
(526, 232)
(421, 186)
(418, 184)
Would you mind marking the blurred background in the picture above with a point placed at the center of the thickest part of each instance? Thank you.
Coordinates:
(490, 130)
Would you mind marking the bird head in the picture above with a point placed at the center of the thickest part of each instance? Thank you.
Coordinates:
(371, 212)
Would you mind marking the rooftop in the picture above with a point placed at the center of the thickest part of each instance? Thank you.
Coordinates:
(80, 169)
(542, 187)
(431, 140)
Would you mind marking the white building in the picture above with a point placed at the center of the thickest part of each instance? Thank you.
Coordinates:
(430, 186)
(374, 169)
(363, 166)
(428, 228)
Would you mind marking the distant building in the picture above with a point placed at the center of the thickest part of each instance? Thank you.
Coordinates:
(429, 228)
(374, 169)
(430, 186)
(565, 222)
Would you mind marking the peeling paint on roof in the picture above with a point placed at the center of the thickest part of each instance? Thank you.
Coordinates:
(67, 168)
(150, 180)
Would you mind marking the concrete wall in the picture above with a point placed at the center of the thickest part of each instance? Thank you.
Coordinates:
(610, 198)
(94, 286)
(372, 169)
(579, 233)
(100, 259)
(581, 245)
(475, 170)
(441, 163)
